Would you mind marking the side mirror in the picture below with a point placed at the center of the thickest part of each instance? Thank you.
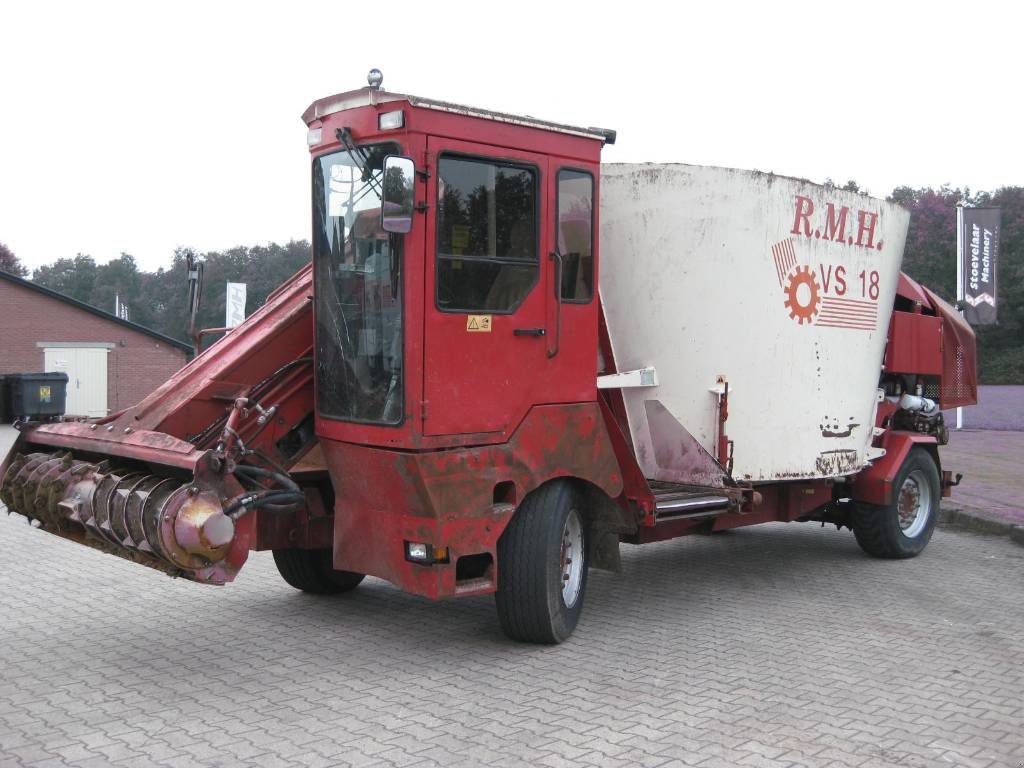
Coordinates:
(398, 202)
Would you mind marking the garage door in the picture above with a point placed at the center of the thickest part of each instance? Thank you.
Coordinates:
(86, 368)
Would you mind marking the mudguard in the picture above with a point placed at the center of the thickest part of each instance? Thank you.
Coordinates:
(874, 484)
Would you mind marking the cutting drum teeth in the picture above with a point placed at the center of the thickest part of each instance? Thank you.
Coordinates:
(109, 491)
(133, 508)
(20, 472)
(149, 518)
(48, 500)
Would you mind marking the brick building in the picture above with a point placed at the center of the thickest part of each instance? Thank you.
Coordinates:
(111, 363)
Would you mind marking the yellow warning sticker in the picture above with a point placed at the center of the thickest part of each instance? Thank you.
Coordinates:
(44, 394)
(478, 324)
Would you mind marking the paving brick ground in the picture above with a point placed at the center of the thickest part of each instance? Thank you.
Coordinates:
(992, 463)
(771, 646)
(999, 407)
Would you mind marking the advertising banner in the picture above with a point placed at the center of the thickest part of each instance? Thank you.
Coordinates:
(234, 310)
(979, 254)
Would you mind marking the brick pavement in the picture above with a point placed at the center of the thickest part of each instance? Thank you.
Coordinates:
(771, 646)
(999, 407)
(991, 463)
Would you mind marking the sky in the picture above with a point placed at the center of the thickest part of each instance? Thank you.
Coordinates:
(139, 127)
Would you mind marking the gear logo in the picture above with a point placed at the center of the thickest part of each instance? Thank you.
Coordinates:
(803, 294)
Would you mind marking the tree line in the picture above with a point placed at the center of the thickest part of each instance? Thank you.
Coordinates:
(930, 258)
(158, 299)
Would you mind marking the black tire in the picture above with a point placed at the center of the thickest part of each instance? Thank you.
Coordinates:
(312, 570)
(530, 601)
(878, 528)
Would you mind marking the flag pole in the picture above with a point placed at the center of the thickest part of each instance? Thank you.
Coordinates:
(960, 283)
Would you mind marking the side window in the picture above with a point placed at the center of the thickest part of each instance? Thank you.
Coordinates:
(487, 235)
(576, 234)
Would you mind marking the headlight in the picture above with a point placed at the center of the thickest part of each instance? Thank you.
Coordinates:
(388, 121)
(419, 552)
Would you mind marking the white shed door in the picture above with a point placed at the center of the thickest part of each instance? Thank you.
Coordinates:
(86, 368)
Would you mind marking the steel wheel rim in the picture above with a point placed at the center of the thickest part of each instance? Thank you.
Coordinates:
(571, 560)
(914, 503)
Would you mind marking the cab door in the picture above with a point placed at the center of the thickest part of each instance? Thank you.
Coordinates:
(487, 303)
(573, 364)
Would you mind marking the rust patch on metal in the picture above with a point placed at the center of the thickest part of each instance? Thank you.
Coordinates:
(447, 497)
(835, 463)
(831, 428)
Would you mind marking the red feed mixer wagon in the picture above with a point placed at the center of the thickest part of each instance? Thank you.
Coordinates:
(505, 359)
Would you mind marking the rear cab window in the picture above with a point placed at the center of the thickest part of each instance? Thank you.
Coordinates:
(575, 233)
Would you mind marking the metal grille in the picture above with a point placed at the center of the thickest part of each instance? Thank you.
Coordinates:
(959, 368)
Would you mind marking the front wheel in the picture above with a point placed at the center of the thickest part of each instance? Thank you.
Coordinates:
(542, 566)
(903, 527)
(312, 570)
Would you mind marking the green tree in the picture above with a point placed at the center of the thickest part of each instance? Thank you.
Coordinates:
(930, 258)
(73, 277)
(119, 279)
(262, 268)
(158, 299)
(1002, 345)
(10, 263)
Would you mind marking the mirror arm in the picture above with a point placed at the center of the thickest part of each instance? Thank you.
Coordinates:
(422, 207)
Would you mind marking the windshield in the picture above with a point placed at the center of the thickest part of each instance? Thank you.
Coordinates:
(358, 273)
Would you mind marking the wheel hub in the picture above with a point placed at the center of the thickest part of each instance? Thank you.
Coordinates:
(913, 504)
(571, 560)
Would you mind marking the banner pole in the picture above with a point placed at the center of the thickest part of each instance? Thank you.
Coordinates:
(960, 284)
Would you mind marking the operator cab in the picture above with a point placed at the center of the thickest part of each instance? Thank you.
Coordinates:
(455, 265)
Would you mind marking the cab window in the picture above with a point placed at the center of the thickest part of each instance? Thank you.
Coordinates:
(487, 257)
(576, 234)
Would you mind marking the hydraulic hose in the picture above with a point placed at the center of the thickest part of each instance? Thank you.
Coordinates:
(258, 390)
(274, 500)
(247, 470)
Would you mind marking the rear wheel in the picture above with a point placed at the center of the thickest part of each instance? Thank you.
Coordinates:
(542, 566)
(903, 527)
(312, 570)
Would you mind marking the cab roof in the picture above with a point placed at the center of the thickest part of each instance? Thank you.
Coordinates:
(372, 96)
